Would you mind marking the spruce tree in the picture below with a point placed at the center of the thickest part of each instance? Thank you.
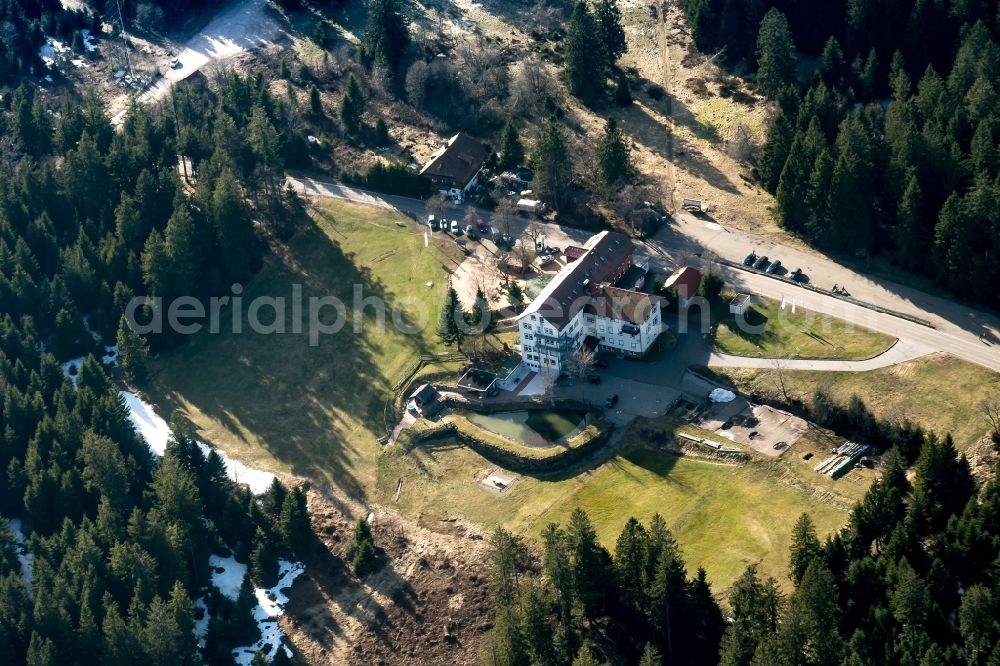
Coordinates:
(591, 570)
(511, 151)
(233, 228)
(133, 351)
(630, 561)
(386, 33)
(451, 321)
(263, 560)
(608, 17)
(315, 102)
(775, 54)
(550, 162)
(293, 522)
(586, 56)
(623, 94)
(651, 656)
(480, 318)
(352, 106)
(804, 549)
(614, 157)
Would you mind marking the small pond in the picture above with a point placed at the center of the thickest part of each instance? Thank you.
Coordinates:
(536, 428)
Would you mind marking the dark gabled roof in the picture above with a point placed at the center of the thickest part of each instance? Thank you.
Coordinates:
(424, 394)
(573, 288)
(460, 160)
(624, 305)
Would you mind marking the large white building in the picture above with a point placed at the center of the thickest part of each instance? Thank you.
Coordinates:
(583, 305)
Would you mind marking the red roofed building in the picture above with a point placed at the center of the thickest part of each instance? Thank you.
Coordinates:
(685, 281)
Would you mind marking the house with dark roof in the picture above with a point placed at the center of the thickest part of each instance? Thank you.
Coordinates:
(587, 304)
(454, 170)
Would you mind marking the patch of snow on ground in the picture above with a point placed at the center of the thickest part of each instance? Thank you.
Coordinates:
(270, 605)
(71, 368)
(152, 428)
(88, 43)
(201, 625)
(78, 62)
(156, 432)
(230, 579)
(23, 556)
(48, 51)
(110, 356)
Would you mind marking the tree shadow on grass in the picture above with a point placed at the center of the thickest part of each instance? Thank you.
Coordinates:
(755, 321)
(310, 407)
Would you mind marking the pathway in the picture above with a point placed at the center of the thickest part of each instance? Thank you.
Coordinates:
(900, 352)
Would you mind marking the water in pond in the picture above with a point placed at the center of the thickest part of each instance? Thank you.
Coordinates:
(537, 428)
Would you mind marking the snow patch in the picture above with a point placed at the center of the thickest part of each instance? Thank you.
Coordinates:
(156, 432)
(50, 49)
(88, 41)
(270, 606)
(23, 555)
(201, 625)
(230, 579)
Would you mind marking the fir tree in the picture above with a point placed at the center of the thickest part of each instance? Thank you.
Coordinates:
(451, 328)
(315, 102)
(586, 56)
(550, 162)
(133, 350)
(294, 522)
(511, 151)
(804, 549)
(352, 106)
(386, 33)
(614, 157)
(263, 560)
(775, 54)
(608, 18)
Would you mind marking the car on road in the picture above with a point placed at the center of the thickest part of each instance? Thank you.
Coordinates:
(761, 263)
(775, 267)
(749, 259)
(456, 229)
(611, 401)
(471, 232)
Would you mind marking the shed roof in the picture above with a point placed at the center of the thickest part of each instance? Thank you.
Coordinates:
(685, 280)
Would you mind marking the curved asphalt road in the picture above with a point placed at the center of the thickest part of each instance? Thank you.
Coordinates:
(690, 241)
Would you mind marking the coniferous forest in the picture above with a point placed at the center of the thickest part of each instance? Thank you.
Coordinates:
(90, 215)
(885, 139)
(911, 579)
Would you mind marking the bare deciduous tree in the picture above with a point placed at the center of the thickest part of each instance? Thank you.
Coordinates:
(990, 409)
(524, 252)
(530, 86)
(416, 83)
(503, 216)
(742, 145)
(580, 366)
(437, 205)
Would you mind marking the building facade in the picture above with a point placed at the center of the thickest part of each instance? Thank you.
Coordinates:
(582, 307)
(454, 170)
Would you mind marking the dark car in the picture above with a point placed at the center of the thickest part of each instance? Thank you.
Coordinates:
(612, 401)
(775, 267)
(796, 275)
(594, 379)
(600, 363)
(749, 259)
(761, 263)
(483, 227)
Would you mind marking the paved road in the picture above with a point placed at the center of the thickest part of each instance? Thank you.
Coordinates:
(691, 241)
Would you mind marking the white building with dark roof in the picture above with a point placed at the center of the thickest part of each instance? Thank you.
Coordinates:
(583, 306)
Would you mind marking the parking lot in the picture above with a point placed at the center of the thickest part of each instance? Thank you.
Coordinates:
(764, 429)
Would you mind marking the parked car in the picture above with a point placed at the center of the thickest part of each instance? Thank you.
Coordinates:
(434, 225)
(483, 227)
(796, 275)
(456, 229)
(471, 232)
(175, 63)
(761, 263)
(600, 363)
(594, 379)
(612, 401)
(750, 258)
(775, 267)
(504, 241)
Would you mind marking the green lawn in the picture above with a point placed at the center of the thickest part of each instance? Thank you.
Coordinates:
(778, 333)
(938, 391)
(725, 516)
(276, 401)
